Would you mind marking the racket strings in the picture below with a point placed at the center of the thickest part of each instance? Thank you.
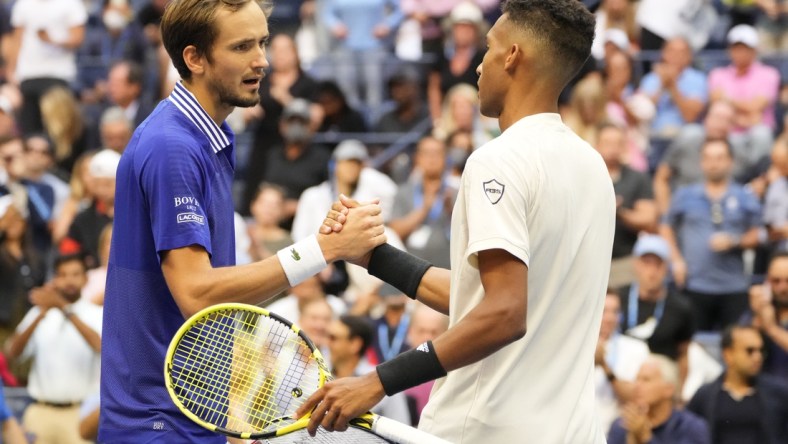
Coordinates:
(350, 436)
(243, 371)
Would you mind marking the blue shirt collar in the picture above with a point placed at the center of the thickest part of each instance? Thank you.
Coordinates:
(185, 101)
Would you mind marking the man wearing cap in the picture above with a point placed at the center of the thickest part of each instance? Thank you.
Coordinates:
(83, 235)
(348, 174)
(297, 163)
(749, 85)
(677, 89)
(650, 310)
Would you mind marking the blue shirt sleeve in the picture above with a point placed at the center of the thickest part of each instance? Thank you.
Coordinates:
(752, 209)
(5, 412)
(176, 185)
(676, 210)
(650, 84)
(693, 84)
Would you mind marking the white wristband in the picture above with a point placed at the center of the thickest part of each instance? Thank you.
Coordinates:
(301, 260)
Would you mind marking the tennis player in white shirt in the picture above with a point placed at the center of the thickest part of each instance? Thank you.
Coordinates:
(531, 238)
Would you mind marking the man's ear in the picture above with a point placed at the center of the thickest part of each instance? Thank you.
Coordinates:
(514, 57)
(194, 60)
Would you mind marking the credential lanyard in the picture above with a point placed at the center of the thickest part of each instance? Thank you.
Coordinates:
(391, 349)
(632, 307)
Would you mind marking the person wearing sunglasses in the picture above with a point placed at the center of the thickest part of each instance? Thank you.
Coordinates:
(743, 405)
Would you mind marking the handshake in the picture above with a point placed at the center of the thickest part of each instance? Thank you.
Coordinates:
(351, 230)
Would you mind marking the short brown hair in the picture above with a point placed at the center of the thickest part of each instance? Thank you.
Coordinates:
(192, 23)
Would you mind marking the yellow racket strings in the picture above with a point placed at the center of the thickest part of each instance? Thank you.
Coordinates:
(243, 371)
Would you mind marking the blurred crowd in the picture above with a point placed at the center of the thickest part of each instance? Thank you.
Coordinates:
(685, 100)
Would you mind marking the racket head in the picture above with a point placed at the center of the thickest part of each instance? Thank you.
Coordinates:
(242, 371)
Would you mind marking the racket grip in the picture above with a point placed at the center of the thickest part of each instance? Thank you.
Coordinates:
(401, 433)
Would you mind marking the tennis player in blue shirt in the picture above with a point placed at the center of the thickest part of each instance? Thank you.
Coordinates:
(173, 246)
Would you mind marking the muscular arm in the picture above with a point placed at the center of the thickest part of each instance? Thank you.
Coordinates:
(497, 321)
(434, 289)
(196, 284)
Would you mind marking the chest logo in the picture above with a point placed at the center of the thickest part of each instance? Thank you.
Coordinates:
(493, 190)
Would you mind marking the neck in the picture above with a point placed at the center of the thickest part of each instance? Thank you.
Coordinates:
(522, 102)
(660, 413)
(716, 188)
(345, 367)
(651, 294)
(614, 169)
(216, 110)
(347, 188)
(742, 69)
(737, 382)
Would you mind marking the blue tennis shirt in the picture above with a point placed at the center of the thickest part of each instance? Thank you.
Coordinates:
(173, 189)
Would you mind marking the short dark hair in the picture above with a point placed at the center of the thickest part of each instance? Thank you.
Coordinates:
(68, 258)
(564, 27)
(726, 343)
(135, 74)
(358, 327)
(192, 22)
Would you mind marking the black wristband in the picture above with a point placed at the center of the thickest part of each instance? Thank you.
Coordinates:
(398, 268)
(409, 369)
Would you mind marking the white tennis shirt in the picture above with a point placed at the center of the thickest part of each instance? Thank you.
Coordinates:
(542, 194)
(65, 368)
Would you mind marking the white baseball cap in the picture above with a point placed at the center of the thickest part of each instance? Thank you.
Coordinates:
(104, 164)
(617, 37)
(466, 12)
(744, 34)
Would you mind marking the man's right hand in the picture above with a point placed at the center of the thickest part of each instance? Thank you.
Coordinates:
(361, 231)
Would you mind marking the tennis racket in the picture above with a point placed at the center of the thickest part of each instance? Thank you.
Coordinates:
(243, 371)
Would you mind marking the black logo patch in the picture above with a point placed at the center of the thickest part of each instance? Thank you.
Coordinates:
(493, 190)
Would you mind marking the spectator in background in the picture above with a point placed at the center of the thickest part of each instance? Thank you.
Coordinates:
(391, 329)
(36, 198)
(338, 115)
(410, 112)
(743, 406)
(662, 20)
(111, 36)
(769, 313)
(462, 53)
(40, 168)
(115, 129)
(21, 266)
(350, 175)
(617, 360)
(286, 81)
(775, 206)
(297, 163)
(587, 108)
(773, 25)
(125, 90)
(80, 197)
(316, 316)
(10, 430)
(349, 338)
(618, 15)
(653, 416)
(628, 109)
(44, 43)
(421, 216)
(65, 126)
(680, 166)
(62, 334)
(264, 231)
(652, 311)
(636, 209)
(426, 324)
(93, 290)
(708, 226)
(461, 113)
(362, 31)
(678, 90)
(83, 235)
(750, 86)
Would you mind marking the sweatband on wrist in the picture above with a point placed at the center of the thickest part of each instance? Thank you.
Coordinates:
(302, 260)
(409, 369)
(398, 268)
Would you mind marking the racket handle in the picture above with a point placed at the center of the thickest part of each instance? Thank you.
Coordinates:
(401, 433)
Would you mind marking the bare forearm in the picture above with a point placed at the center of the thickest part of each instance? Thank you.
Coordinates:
(750, 239)
(666, 231)
(88, 334)
(779, 335)
(406, 225)
(689, 108)
(18, 342)
(638, 219)
(434, 289)
(661, 187)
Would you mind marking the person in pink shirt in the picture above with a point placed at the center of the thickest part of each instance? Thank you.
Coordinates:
(749, 85)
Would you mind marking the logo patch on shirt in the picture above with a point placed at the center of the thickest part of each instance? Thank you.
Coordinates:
(191, 217)
(493, 190)
(189, 202)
